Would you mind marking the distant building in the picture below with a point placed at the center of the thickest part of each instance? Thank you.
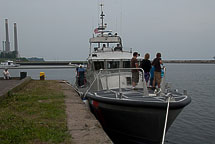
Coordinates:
(7, 42)
(11, 54)
(16, 40)
(7, 52)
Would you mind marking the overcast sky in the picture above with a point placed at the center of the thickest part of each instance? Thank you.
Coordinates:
(60, 29)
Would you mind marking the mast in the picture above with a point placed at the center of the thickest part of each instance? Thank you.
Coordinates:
(102, 18)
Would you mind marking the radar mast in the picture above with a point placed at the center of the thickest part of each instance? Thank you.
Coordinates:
(102, 18)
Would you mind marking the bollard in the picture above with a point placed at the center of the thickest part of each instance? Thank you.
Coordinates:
(23, 75)
(42, 75)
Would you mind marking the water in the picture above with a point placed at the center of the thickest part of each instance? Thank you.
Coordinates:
(50, 74)
(196, 123)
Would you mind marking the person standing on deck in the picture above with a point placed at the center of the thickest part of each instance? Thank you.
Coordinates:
(157, 73)
(135, 72)
(103, 46)
(146, 66)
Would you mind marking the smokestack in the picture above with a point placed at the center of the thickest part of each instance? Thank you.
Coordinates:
(7, 42)
(15, 40)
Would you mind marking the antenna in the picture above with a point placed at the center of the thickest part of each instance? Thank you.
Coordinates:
(121, 16)
(116, 24)
(102, 17)
(98, 10)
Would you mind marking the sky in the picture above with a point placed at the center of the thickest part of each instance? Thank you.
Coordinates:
(60, 29)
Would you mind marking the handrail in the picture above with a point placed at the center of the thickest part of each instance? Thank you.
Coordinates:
(91, 84)
(145, 90)
(163, 82)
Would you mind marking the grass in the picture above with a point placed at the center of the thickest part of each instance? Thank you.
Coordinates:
(34, 115)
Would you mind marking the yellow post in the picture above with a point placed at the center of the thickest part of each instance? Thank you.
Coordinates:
(42, 75)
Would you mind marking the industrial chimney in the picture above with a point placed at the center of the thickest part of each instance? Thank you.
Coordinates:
(15, 40)
(7, 42)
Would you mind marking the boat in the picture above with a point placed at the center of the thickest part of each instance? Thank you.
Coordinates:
(8, 64)
(127, 115)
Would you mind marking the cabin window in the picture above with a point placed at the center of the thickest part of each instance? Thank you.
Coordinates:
(112, 64)
(99, 65)
(126, 64)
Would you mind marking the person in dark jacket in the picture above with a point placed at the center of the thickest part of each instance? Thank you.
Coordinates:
(146, 66)
(81, 76)
(157, 73)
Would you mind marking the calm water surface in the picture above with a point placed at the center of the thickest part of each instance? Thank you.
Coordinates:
(196, 123)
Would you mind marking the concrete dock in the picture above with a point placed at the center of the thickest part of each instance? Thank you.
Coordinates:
(12, 85)
(82, 125)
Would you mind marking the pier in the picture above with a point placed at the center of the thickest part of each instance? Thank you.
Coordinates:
(81, 125)
(52, 63)
(9, 86)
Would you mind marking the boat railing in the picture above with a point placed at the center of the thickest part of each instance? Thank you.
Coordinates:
(119, 72)
(163, 82)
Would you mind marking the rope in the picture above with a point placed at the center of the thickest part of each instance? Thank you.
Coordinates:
(91, 84)
(167, 112)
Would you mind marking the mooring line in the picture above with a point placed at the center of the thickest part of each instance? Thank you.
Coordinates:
(167, 112)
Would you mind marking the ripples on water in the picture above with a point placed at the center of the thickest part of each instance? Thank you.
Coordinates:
(196, 123)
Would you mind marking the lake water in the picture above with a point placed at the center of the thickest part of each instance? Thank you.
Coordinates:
(196, 123)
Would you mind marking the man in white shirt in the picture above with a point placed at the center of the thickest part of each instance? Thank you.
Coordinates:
(6, 74)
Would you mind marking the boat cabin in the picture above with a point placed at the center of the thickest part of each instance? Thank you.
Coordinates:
(108, 53)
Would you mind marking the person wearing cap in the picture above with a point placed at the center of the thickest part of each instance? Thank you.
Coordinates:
(135, 72)
(81, 76)
(6, 74)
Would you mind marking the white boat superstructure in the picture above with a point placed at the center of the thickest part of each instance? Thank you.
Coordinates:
(106, 52)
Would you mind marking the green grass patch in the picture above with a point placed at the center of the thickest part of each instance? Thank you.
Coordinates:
(35, 114)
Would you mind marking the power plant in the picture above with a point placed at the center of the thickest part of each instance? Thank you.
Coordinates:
(15, 40)
(6, 44)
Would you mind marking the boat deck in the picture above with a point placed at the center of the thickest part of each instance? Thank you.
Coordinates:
(128, 94)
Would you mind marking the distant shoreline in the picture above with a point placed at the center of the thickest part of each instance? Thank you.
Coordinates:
(190, 61)
(85, 62)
